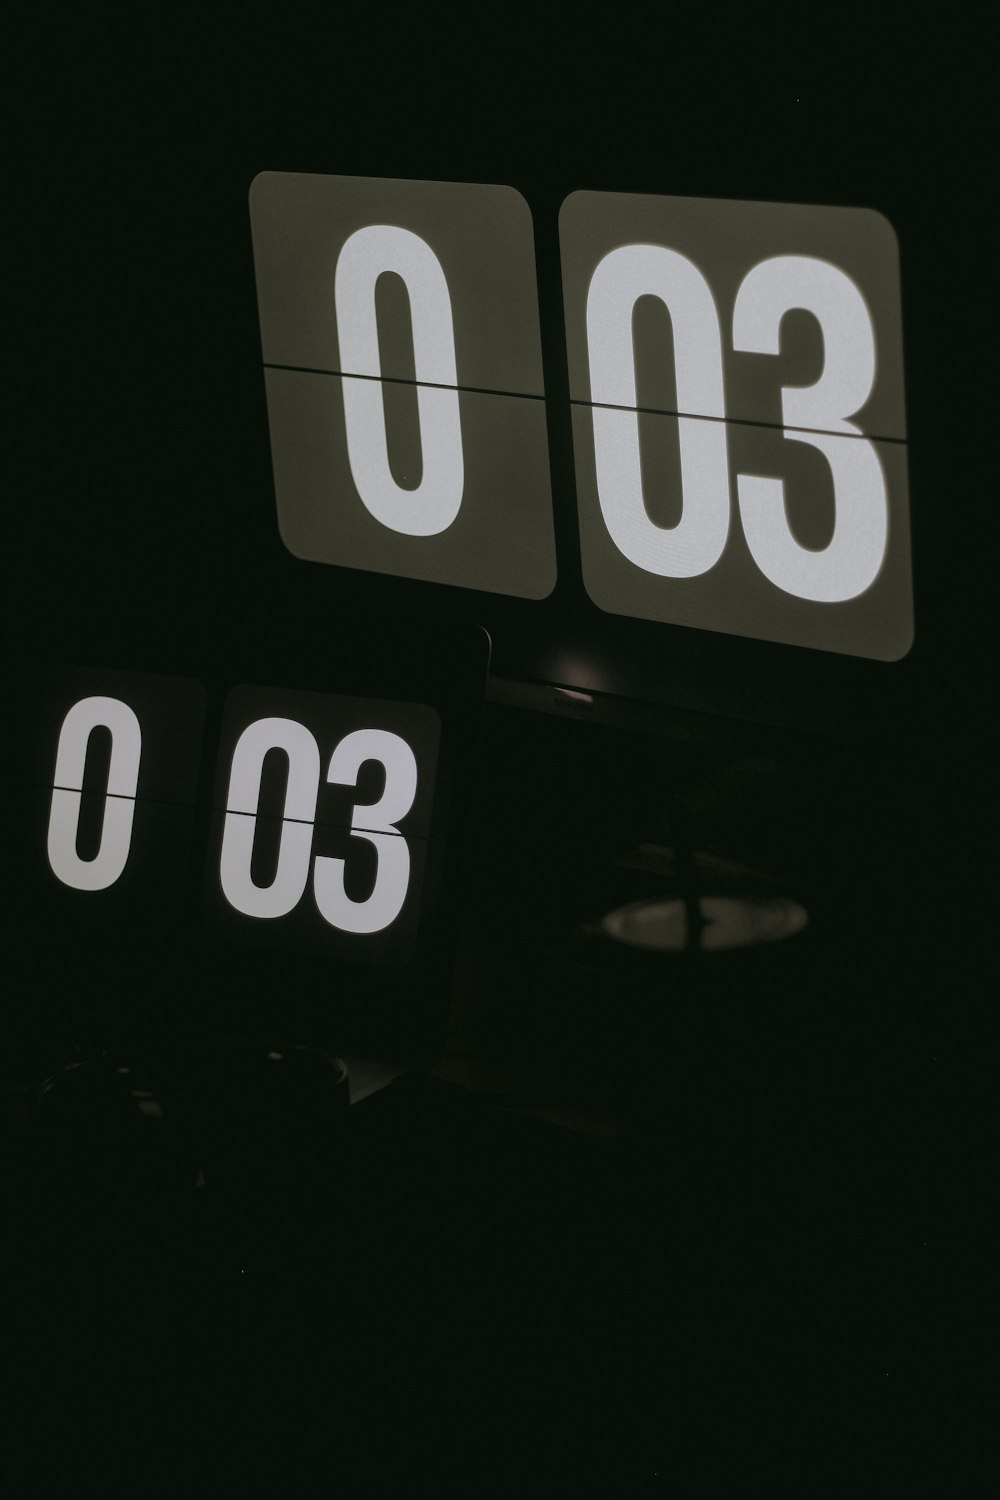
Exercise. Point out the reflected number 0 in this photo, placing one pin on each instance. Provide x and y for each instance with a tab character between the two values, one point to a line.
106	866
850	562
376	823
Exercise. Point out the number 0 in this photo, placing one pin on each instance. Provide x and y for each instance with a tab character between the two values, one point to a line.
432	506
296	834
695	544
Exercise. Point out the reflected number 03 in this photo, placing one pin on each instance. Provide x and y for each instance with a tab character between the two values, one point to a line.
376	823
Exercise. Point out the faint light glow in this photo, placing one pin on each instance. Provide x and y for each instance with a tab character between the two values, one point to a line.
730	922
578	670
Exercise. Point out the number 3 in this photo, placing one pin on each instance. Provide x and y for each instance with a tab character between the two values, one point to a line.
851	561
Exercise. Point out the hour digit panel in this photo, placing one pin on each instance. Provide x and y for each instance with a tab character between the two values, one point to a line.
400	335
739	429
114	759
324	808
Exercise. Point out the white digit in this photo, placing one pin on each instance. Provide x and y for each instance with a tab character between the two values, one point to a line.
695	544
119	809
295	846
433	505
377	824
851	562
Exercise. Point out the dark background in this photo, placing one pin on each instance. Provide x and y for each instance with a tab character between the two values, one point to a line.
770	1261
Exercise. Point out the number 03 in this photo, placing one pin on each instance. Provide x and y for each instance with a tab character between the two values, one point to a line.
818	414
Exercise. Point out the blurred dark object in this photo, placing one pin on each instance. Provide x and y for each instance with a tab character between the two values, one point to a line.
271	1121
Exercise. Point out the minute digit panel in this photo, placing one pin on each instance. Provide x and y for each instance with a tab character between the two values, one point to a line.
739	425
323	809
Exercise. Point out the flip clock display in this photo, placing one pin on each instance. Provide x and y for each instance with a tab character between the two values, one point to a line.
736	401
317	830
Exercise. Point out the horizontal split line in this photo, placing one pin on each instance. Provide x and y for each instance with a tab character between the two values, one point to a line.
694	416
268	817
119	796
431	385
651	411
322	823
